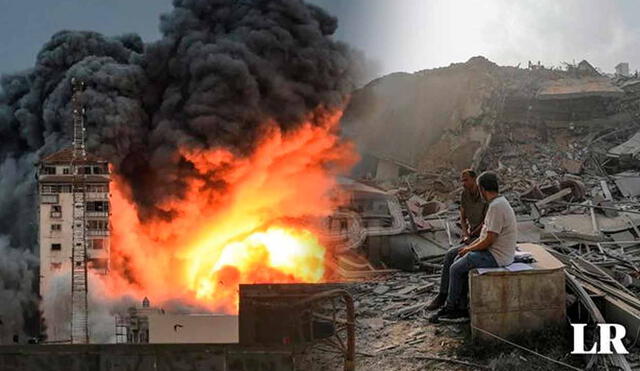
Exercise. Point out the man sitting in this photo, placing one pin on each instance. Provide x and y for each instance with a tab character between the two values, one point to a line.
494	248
472	207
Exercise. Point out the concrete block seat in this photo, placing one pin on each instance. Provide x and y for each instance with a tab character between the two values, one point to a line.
507	303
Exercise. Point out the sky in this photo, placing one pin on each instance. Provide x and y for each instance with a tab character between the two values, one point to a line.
395	35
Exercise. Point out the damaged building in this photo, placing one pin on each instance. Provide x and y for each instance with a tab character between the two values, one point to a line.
224	145
62	197
564	143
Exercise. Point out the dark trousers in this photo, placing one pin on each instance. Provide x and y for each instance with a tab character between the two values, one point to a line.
454	281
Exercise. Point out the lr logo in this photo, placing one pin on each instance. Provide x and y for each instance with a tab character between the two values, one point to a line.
607	339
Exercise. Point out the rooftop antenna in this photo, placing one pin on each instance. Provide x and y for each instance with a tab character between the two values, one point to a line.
79	151
79	305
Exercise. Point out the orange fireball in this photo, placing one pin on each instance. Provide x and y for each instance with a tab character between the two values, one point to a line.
239	231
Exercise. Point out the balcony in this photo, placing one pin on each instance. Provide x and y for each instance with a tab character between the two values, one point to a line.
97	196
98	232
96	214
49	198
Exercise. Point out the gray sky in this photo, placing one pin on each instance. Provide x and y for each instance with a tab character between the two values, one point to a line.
399	35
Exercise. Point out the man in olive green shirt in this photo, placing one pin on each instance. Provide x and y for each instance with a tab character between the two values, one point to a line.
472	212
472	207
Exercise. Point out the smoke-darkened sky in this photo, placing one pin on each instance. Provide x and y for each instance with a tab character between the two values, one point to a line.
398	35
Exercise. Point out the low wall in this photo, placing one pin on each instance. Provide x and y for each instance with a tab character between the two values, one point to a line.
143	357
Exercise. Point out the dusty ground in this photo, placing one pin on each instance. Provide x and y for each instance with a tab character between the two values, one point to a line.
386	342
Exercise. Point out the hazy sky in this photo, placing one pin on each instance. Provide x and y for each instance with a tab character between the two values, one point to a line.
399	35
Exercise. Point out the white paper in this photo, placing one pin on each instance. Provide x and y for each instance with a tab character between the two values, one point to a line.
518	267
514	267
487	270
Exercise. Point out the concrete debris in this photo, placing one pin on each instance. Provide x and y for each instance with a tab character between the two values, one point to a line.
628	184
410	311
381	289
629	148
565	146
579	88
374	324
572	166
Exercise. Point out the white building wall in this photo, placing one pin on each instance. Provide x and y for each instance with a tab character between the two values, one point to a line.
187	328
55	265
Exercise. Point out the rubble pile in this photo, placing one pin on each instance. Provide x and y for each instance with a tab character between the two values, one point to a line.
569	165
392	331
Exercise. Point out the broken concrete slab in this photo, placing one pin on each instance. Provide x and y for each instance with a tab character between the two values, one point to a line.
629	186
580	226
579	88
528	231
381	289
605	190
623	239
554	197
630	148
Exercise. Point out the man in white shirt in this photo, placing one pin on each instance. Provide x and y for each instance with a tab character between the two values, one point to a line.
494	248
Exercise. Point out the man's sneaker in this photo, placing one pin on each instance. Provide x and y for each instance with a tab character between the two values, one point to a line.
455	316
436	317
437	302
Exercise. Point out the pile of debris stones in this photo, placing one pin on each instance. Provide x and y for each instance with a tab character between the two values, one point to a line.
577	194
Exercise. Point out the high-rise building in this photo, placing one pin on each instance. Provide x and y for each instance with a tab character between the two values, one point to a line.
71	205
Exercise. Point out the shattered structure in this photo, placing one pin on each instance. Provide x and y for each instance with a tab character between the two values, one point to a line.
565	145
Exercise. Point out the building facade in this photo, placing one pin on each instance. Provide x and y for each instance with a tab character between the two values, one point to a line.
56	186
153	325
622	69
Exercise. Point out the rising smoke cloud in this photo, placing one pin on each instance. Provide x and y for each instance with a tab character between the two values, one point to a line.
222	69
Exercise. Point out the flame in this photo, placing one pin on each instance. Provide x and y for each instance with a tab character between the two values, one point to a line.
238	221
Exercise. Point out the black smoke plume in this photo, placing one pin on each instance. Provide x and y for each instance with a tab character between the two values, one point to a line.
220	71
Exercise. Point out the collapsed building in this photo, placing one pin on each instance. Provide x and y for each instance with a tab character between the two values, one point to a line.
564	143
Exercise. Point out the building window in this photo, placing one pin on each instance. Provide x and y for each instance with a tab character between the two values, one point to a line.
49	170
56	266
99	266
98	225
98	263
56	247
66	171
56	227
97	244
49	199
98	206
84	170
56	188
56	211
97	188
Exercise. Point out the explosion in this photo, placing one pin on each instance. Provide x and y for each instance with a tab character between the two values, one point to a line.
222	136
243	228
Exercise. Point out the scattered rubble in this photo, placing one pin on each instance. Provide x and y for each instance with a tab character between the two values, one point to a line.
566	149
